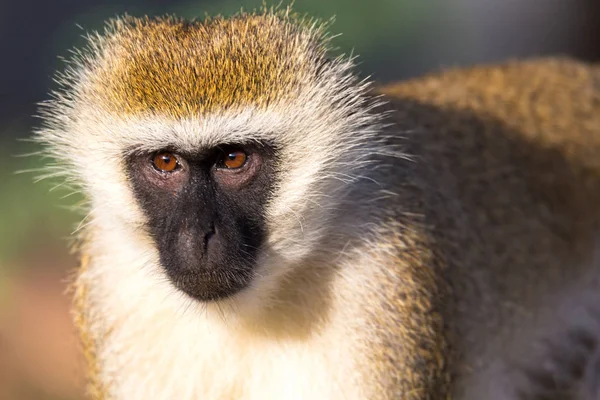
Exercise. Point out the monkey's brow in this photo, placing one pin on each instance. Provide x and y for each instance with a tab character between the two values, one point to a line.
143	149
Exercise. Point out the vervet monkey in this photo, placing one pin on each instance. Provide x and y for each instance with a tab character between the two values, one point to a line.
262	224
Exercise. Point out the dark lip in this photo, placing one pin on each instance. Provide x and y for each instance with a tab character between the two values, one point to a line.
205	288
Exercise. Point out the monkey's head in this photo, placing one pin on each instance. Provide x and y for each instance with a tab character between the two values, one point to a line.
226	144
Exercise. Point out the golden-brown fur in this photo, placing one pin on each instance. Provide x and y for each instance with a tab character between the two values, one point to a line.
182	68
81	318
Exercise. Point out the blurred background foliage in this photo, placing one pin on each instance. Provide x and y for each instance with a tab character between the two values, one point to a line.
396	39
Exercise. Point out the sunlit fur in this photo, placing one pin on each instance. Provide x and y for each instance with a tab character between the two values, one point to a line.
398	243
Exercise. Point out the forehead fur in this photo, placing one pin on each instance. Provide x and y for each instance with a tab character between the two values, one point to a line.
182	68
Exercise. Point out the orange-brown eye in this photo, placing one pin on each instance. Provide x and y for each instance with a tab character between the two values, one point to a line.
234	159
165	161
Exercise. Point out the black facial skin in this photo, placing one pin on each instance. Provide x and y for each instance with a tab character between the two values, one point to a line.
207	221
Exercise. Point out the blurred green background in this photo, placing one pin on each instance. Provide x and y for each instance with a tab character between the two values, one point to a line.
396	39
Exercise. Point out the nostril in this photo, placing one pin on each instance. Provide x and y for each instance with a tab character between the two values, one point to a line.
209	234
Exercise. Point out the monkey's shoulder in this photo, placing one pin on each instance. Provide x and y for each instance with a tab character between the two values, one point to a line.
531	128
554	100
513	85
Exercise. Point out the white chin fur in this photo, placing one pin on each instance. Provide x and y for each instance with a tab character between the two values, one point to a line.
157	343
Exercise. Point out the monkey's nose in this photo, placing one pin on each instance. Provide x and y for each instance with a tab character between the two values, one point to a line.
194	243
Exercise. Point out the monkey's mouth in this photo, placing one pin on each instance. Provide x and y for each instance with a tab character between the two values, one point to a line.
207	287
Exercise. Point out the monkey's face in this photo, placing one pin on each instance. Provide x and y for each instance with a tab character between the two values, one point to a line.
231	201
206	212
219	153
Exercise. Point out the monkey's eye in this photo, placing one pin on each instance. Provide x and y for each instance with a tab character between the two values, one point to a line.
232	159
165	161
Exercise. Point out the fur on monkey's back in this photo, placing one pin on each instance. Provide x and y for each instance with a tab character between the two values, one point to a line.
507	178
